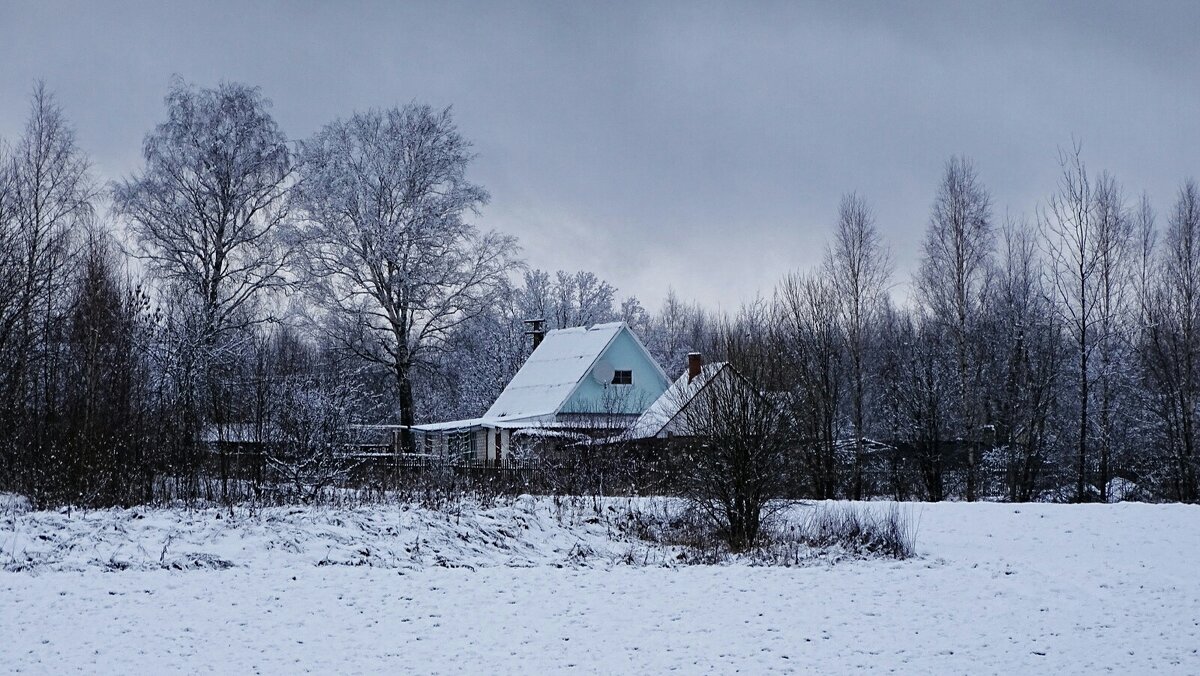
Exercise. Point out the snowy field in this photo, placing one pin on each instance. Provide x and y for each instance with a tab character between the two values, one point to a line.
544	589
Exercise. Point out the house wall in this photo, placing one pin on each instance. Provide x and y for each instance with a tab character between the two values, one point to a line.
648	382
452	445
482	438
489	444
448	444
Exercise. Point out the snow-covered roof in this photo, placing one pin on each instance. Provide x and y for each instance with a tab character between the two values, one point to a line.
526	426
449	425
552	372
655	419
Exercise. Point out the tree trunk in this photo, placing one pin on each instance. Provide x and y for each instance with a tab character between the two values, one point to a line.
858	422
1081	460
407	419
1105	433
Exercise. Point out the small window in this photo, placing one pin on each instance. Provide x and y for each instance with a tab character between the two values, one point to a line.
622	378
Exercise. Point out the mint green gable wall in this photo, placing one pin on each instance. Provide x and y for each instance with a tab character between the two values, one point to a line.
624	354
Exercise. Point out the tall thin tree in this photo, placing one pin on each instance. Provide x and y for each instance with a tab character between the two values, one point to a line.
1172	353
1114	271
859	266
1068	232
950	286
46	194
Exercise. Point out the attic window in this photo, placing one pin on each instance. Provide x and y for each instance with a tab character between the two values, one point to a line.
622	378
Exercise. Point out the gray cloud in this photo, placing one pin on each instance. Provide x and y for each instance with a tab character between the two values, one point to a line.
695	145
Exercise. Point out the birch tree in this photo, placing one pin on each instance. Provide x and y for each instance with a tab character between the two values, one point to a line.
46	195
51	197
1068	230
389	254
1145	250
1172	351
206	210
205	215
950	285
1114	282
859	267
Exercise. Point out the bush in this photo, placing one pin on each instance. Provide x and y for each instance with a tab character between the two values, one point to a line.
860	530
826	532
13	504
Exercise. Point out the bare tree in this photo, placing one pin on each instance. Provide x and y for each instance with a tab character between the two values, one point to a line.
205	215
737	462
389	255
1028	342
1145	245
1171	350
582	299
676	329
206	209
485	353
921	386
46	194
106	456
1146	275
1068	231
632	313
859	267
534	299
810	339
314	430
950	285
1114	294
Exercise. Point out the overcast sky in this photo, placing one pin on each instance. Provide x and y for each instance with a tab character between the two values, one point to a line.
700	146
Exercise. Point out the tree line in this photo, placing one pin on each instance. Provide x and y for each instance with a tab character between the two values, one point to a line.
239	280
1043	359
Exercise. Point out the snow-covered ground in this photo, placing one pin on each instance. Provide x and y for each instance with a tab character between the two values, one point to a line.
521	532
997	589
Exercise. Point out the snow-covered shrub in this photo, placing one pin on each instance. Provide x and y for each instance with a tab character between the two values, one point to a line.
313	425
669	522
12	504
858	530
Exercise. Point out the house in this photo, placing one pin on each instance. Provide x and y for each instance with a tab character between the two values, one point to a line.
667	416
577	383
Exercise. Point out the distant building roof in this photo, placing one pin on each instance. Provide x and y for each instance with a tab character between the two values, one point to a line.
655	420
549	378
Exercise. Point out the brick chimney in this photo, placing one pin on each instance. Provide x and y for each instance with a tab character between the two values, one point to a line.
537	329
695	362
